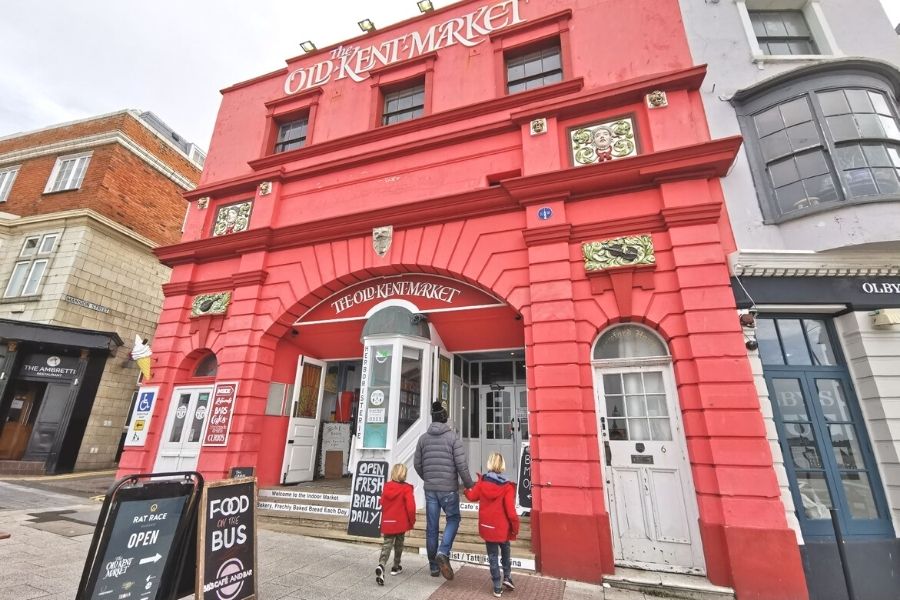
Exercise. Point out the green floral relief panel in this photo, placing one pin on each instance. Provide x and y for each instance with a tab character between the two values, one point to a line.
602	142
210	304
618	252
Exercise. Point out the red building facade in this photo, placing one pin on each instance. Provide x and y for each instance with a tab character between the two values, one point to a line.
522	177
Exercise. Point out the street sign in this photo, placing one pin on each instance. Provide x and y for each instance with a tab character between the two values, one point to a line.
141	543
523	484
226	546
365	500
140	417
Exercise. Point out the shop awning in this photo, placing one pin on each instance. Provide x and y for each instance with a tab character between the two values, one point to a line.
62	336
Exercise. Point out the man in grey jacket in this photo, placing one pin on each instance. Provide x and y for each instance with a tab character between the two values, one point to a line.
441	461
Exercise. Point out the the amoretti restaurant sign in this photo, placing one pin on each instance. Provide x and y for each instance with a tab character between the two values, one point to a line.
355	62
427	292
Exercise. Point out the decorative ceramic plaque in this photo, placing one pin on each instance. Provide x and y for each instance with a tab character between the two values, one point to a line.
618	252
210	304
233	218
603	142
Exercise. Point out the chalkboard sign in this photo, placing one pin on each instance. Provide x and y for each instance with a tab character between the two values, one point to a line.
238	472
226	546
523	487
140	546
365	500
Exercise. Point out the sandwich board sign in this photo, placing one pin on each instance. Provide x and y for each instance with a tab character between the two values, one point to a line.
226	544
523	482
365	499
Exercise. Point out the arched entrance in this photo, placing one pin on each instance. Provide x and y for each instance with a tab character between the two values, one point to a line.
371	358
649	489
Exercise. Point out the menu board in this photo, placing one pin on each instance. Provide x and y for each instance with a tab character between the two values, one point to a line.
226	546
365	499
222	409
523	485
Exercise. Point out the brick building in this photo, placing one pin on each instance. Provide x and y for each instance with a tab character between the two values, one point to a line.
83	206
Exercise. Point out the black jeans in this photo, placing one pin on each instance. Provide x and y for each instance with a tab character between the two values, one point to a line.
498	551
395	542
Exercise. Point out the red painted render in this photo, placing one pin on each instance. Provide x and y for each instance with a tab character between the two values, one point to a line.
461	186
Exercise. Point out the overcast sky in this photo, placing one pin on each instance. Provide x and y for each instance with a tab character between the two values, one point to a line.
65	59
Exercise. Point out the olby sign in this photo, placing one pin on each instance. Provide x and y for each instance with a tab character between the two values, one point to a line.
427	292
355	62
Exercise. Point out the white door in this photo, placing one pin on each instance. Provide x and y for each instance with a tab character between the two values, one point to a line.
185	423
501	432
303	429
652	505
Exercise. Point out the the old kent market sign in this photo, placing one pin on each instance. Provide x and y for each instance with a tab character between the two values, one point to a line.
355	62
428	293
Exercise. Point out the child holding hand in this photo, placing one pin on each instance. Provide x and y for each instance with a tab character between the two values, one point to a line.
398	515
498	522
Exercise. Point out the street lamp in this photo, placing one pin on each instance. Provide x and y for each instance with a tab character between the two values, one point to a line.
308	46
425	6
367	25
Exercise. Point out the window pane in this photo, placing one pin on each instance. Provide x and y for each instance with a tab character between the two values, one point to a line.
180	416
886	180
660	430
796	111
635	406
801	47
876	156
811	164
820	342
842	127
849	157
612	384
34	277
410	389
759	26
820	190
496	372
774	25
789	397
515	71
859	495
879	103
615	406
308	401
859	101
617	429
803	136
633	383
551	61
196	427
860	182
638	429
814	494
30	246
47	244
779	48
791	198
794	342
834	103
768	122
17	279
769	347
869	126
775	145
656	405
846	447
784	173
832	400
653	383
891	130
801	442
794	23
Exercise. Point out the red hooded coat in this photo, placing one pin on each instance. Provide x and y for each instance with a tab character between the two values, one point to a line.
497	518
398	508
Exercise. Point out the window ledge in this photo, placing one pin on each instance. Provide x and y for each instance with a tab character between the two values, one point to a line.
20	299
60	191
809	212
791	58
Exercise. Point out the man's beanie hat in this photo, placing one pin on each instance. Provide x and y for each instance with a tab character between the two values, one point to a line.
437	407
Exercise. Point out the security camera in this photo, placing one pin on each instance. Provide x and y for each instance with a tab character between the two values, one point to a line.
751	344
418	318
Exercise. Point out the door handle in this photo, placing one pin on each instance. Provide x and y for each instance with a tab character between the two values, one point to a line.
290	441
608	452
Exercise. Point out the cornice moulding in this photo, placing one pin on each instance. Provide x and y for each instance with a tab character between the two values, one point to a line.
763	263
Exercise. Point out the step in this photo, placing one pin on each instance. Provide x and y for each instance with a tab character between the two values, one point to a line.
668	585
470	552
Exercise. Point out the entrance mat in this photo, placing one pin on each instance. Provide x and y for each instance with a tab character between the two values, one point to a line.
475	584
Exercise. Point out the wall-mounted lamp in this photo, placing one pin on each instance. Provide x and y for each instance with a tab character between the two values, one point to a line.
496	387
308	46
367	25
294	332
425	6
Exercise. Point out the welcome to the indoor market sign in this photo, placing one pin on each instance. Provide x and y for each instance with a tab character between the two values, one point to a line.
355	61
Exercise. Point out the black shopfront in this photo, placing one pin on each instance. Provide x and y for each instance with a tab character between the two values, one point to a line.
826	444
49	376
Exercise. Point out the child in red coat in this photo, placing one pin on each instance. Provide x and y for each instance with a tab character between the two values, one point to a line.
398	515
498	522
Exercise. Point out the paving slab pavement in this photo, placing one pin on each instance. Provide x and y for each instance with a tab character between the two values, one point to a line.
45	563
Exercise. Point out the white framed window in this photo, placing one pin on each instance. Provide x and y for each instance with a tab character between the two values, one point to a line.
7	177
27	274
786	30
68	172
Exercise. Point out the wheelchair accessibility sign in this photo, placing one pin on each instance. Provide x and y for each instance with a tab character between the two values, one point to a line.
139	423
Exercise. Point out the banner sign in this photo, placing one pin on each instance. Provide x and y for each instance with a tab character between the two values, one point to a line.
49	367
141	415
428	292
226	546
355	62
219	422
365	501
523	484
